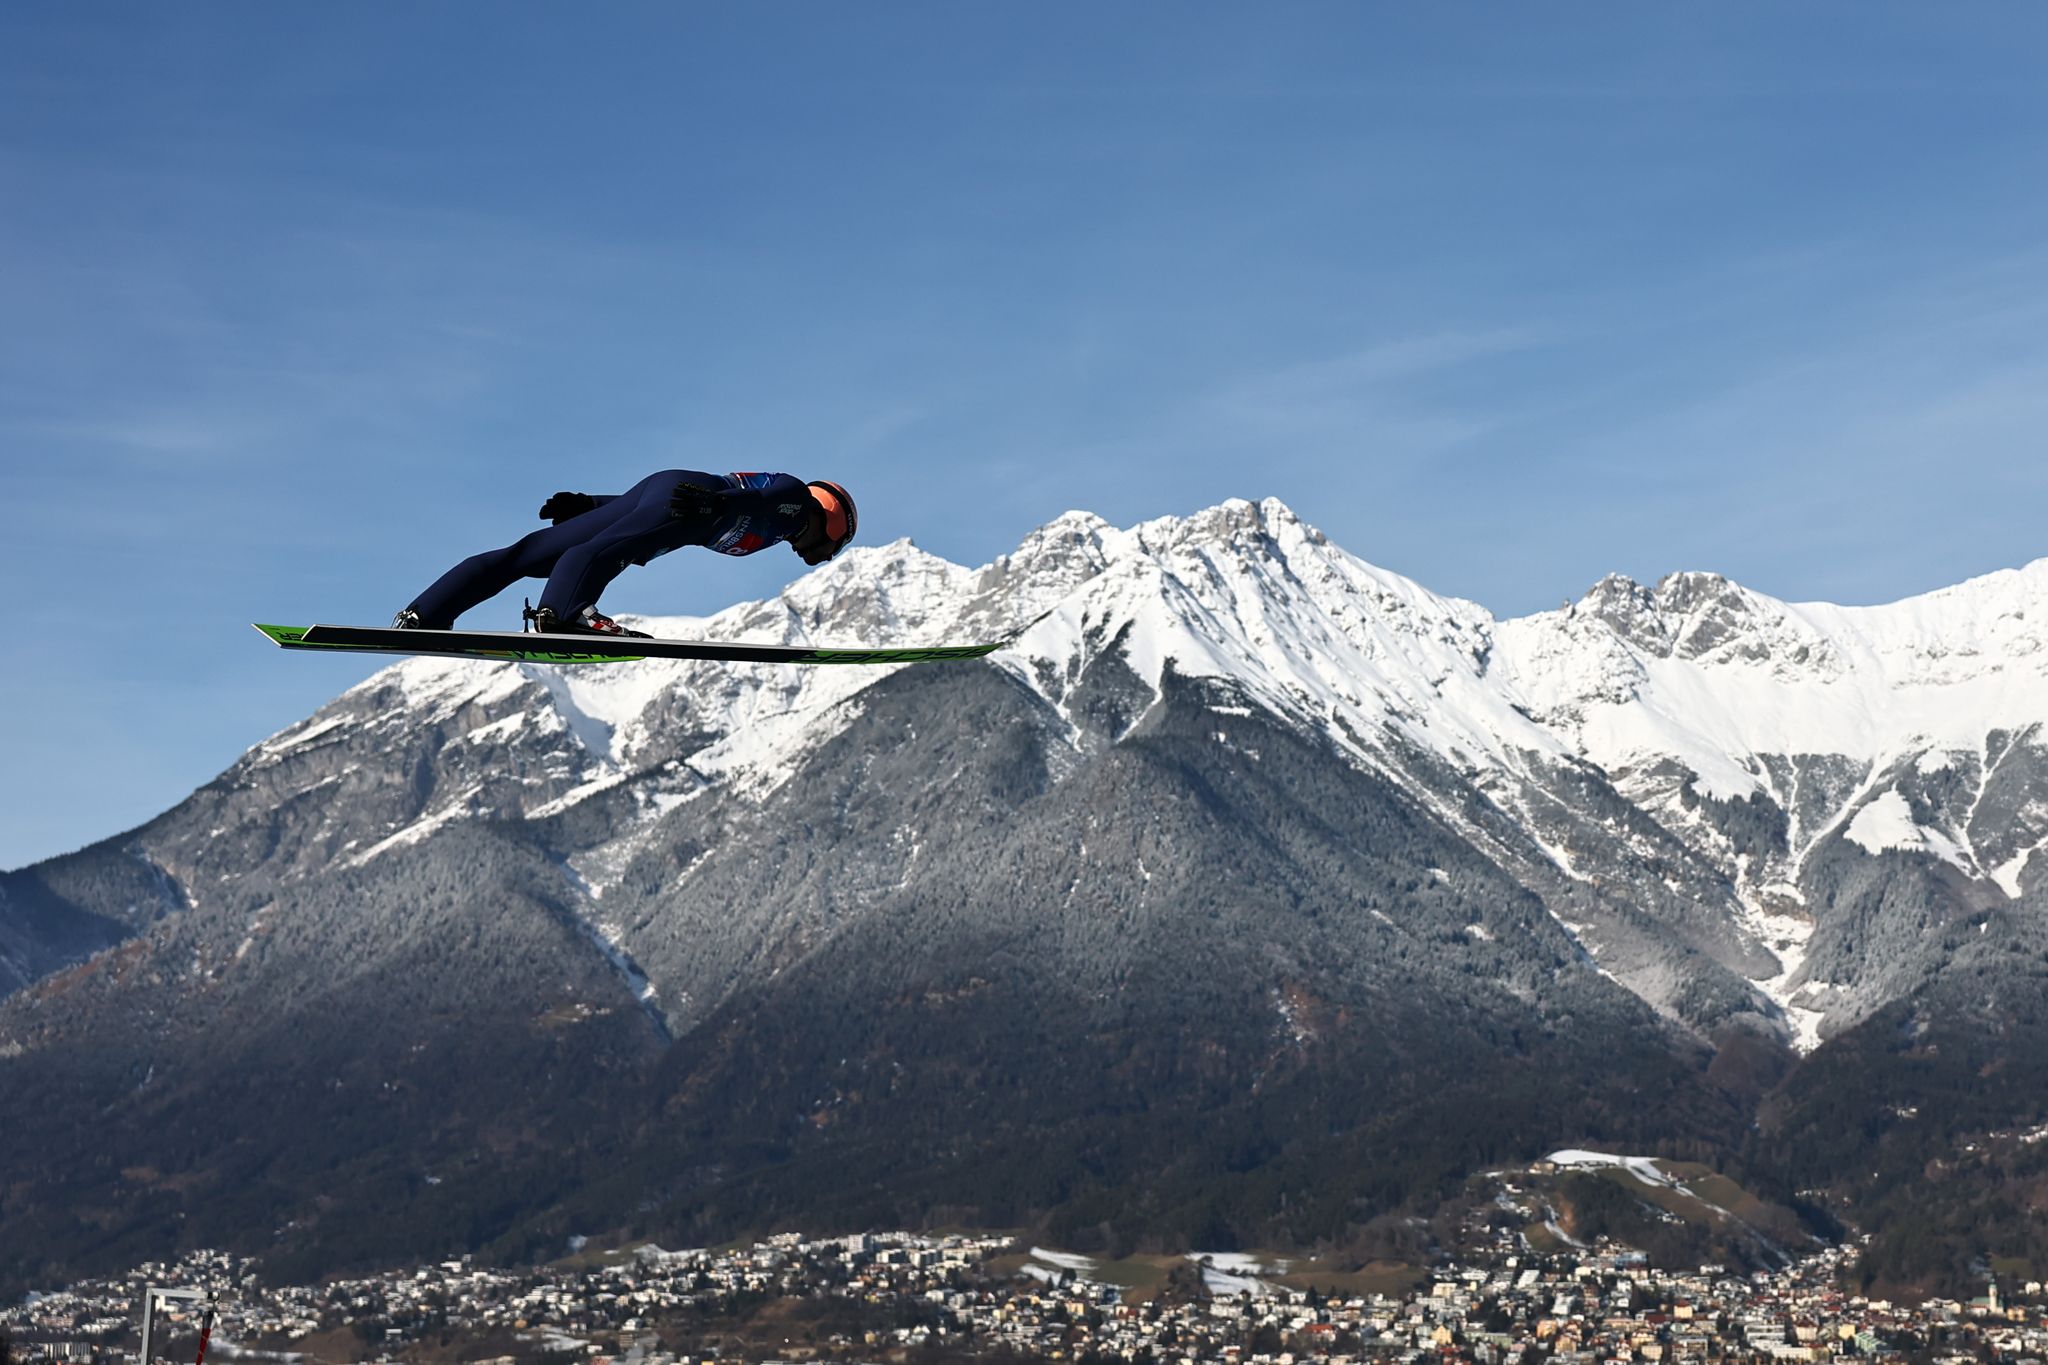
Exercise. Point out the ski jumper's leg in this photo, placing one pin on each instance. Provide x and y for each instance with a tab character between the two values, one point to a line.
643	528
483	576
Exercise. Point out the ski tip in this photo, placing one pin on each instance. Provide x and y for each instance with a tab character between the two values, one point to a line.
284	636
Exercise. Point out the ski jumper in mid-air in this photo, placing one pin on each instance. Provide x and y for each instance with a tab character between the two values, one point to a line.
594	538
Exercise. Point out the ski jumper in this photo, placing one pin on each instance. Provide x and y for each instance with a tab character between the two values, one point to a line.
734	514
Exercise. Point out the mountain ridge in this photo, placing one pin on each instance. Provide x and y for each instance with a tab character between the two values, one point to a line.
1257	814
1375	651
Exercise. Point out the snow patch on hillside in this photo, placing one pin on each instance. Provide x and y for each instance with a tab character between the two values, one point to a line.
1641	1167
2007	874
1887	823
1226	1274
426	825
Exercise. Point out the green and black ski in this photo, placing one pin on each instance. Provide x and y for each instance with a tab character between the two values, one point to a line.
525	647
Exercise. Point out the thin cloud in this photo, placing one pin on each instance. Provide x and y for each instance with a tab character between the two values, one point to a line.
1375	366
1367	399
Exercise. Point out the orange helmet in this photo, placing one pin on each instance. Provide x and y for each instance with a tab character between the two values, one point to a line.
841	520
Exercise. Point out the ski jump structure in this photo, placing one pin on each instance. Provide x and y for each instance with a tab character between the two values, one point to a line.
151	1294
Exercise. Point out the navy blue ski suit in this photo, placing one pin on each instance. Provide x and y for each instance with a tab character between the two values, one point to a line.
739	514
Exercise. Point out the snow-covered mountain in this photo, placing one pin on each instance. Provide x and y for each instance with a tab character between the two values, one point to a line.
1229	785
1749	739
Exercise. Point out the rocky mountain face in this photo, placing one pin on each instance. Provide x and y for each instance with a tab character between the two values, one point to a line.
1253	893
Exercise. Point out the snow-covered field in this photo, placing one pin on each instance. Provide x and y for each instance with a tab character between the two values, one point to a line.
1641	1167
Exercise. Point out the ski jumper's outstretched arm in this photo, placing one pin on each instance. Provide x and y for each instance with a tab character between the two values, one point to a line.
562	506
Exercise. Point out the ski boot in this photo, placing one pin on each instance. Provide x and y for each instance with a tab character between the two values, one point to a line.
589	621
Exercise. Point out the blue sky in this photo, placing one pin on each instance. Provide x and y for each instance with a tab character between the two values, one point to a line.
299	304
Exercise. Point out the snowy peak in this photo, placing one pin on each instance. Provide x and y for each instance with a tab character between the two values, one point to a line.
1073	546
1746	674
1236	525
1248	592
1706	618
1708	614
882	592
1630	610
1698	669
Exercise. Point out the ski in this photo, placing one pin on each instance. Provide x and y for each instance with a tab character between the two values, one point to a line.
526	647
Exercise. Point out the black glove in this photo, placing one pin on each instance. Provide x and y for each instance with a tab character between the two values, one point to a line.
563	506
696	500
810	543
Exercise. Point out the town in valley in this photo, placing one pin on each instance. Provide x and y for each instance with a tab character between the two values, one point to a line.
911	1297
